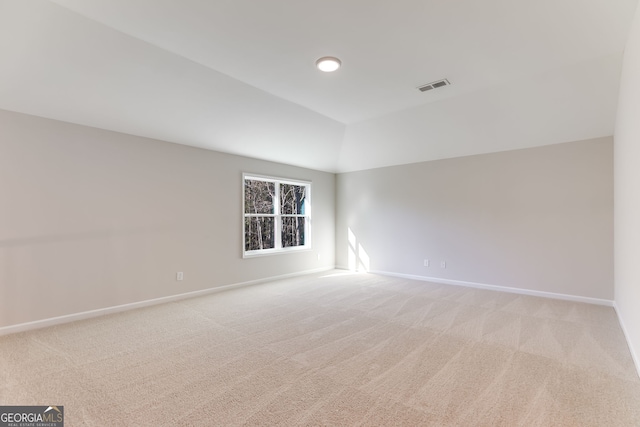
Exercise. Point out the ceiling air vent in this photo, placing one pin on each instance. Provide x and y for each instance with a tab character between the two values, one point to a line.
433	85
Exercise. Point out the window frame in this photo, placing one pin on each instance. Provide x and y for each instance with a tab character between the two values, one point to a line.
277	215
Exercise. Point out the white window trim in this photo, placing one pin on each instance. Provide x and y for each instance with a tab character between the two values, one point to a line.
307	231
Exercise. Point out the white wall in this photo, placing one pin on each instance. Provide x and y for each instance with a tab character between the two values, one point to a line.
627	193
93	219
537	219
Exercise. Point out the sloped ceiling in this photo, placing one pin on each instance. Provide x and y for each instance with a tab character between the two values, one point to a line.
238	76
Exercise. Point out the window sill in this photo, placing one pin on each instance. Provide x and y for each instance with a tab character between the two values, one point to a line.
268	252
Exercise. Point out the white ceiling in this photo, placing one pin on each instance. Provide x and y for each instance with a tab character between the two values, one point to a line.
238	76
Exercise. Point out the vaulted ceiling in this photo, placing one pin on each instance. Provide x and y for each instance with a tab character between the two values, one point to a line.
239	76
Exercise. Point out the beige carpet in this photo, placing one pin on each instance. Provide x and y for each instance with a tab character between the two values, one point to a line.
333	349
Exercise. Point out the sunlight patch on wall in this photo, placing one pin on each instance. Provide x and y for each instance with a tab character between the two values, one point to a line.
358	257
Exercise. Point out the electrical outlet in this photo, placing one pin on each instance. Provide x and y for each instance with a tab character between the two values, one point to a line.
179	275
426	262
443	264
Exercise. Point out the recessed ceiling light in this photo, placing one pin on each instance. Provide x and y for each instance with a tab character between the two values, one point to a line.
328	64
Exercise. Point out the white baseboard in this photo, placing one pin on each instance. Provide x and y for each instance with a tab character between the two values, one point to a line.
542	294
634	355
37	324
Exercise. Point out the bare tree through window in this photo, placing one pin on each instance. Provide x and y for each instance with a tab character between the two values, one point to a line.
259	227
276	214
292	199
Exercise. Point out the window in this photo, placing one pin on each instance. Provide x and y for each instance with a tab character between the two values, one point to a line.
277	215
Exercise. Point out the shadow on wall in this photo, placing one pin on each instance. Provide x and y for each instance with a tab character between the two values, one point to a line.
358	257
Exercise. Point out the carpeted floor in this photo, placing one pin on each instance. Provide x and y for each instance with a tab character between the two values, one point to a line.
333	349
